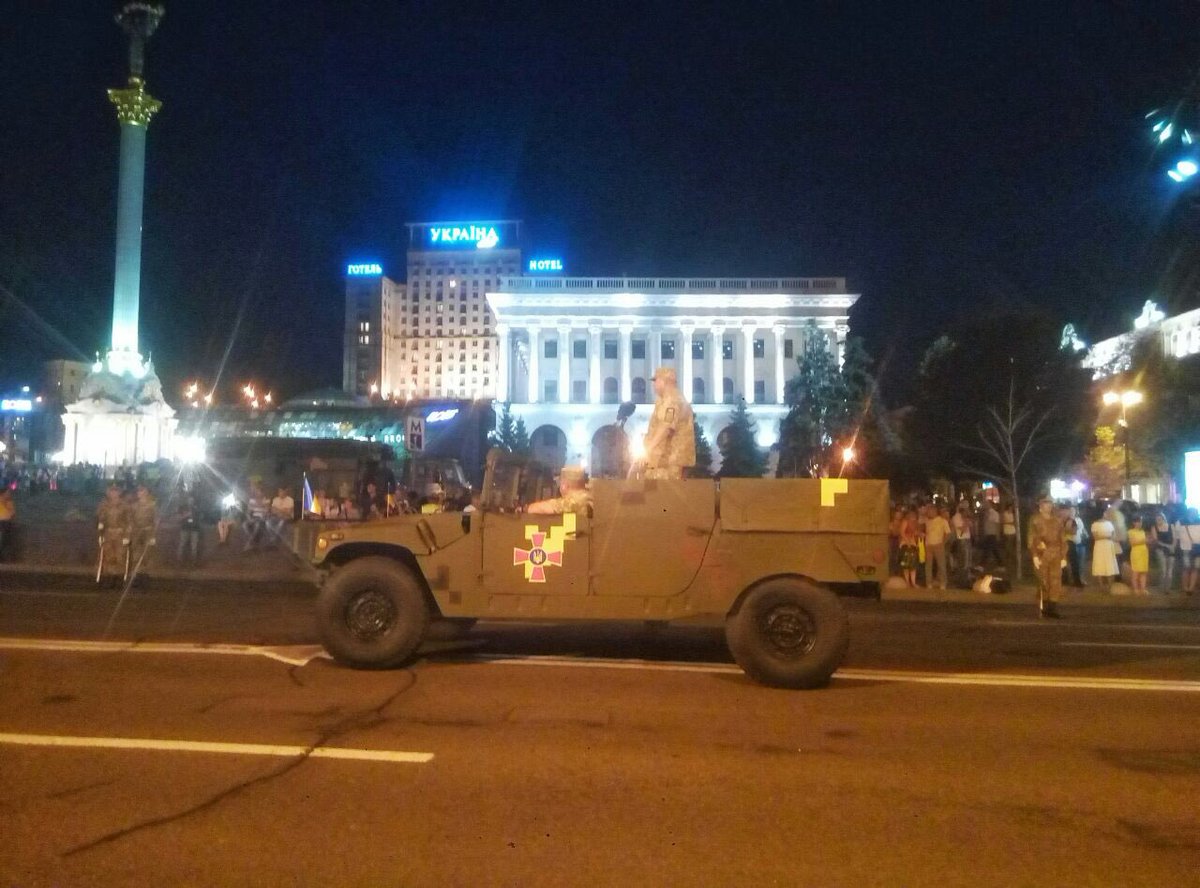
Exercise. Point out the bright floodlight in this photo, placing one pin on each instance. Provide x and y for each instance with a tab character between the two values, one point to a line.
1131	398
229	501
191	449
847	454
1183	170
1111	398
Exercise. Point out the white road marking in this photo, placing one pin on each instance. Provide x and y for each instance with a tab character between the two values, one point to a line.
333	752
301	655
946	678
295	655
1122	644
1055	624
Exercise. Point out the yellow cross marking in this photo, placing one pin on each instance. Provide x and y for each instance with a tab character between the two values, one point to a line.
830	488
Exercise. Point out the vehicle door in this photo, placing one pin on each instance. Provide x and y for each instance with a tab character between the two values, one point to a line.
649	537
536	554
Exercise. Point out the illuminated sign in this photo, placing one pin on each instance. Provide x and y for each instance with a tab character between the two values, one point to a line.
364	268
484	237
16	405
441	415
545	265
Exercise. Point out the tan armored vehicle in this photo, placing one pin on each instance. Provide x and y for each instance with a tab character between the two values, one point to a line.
762	555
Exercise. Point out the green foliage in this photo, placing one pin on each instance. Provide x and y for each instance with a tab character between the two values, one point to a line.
829	407
510	434
741	457
704	456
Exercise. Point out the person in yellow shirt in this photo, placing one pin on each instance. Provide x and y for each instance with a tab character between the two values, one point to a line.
8	514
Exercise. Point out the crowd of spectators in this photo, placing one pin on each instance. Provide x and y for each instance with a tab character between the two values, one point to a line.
938	544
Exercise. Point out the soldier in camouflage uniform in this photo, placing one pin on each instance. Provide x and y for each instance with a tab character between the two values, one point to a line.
671	439
143	520
112	520
1047	545
574	495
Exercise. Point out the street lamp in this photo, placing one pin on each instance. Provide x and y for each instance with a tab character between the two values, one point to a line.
1126	399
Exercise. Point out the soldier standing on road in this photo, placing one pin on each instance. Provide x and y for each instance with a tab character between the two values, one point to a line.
572	485
1047	545
112	521
671	438
143	520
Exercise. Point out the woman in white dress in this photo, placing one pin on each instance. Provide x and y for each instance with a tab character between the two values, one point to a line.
1104	551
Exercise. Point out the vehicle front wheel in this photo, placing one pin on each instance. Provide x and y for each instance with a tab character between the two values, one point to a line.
372	614
788	633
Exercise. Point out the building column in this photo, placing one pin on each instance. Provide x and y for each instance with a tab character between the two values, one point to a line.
655	345
504	344
716	363
748	363
535	354
595	387
780	381
626	354
685	361
564	364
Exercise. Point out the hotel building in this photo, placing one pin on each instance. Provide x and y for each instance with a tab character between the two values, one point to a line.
474	321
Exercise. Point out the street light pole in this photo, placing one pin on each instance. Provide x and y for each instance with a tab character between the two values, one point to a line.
1126	399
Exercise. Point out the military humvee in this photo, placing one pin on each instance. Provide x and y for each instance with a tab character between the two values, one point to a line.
759	554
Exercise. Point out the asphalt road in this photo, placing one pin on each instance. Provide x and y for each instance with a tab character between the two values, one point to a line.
959	745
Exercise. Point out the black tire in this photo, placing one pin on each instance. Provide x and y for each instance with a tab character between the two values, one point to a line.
372	614
788	633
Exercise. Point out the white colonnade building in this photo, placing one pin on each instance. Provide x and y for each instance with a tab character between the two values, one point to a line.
570	349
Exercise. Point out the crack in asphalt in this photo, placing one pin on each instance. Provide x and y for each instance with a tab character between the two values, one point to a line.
355	721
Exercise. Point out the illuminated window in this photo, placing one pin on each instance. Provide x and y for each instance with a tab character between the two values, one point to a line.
667	352
727	350
760	348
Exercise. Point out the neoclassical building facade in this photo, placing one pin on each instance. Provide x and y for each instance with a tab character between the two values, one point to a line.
570	349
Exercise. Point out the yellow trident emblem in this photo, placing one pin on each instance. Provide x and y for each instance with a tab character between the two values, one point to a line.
545	548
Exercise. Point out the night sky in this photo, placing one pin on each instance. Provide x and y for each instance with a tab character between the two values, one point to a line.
947	158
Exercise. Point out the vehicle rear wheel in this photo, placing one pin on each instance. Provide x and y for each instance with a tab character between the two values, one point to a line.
372	614
788	633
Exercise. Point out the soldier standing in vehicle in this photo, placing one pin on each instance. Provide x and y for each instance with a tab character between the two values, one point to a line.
1047	545
671	439
574	495
112	522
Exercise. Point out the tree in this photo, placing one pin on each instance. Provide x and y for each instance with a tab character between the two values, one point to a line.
704	455
1006	437
984	375
510	433
741	457
829	406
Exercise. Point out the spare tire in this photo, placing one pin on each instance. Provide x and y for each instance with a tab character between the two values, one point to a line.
372	614
788	633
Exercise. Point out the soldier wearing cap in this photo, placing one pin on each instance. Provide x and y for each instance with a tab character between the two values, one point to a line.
572	485
1048	547
671	439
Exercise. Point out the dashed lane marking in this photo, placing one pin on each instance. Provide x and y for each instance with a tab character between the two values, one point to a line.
141	743
293	655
